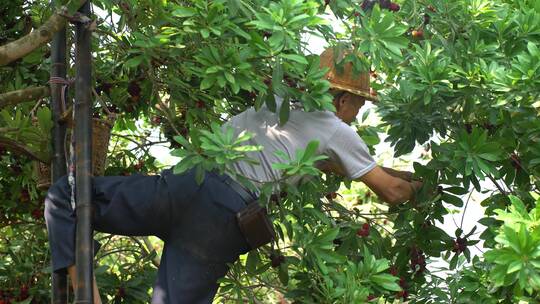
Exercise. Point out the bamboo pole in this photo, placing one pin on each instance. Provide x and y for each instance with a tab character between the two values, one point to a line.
83	160
58	69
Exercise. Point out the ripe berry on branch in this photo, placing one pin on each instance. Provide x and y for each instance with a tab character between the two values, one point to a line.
460	244
364	231
427	19
37	214
331	195
134	89
200	104
276	260
394	7
402	294
138	166
418	260
418	34
156	120
385	3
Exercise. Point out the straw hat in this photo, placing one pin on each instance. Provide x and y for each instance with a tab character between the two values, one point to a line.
349	81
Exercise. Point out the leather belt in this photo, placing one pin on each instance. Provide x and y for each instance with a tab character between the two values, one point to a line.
246	195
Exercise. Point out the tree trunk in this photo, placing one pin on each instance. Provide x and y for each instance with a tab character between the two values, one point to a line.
18	148
28	94
24	45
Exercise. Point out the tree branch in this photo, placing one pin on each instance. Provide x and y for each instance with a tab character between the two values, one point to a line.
27	94
38	37
19	148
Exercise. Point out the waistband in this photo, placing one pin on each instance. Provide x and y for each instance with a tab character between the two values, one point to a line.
244	193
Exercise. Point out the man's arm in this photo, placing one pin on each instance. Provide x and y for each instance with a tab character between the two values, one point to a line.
392	186
391	189
405	175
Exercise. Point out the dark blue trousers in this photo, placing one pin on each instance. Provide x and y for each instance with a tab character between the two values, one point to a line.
196	222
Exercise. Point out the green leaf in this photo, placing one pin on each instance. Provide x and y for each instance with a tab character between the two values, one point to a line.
294	57
284	112
183	12
277	77
514	266
252	262
271	102
386	281
327	236
134	62
453	200
310	150
283	274
182	140
199	174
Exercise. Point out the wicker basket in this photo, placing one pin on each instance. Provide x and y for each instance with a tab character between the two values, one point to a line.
101	134
44	175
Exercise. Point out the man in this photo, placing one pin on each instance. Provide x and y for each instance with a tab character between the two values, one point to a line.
198	222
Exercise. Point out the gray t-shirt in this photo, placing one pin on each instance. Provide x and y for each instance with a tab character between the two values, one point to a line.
337	140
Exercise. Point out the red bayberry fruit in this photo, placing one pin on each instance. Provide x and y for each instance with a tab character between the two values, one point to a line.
367	5
15	169
418	260
121	292
134	89
393	271
129	108
331	195
362	233
365	226
385	3
37	214
267	81
356	14
276	260
394	7
156	120
138	166
24	196
371	298
427	19
200	104
402	294
418	34
402	283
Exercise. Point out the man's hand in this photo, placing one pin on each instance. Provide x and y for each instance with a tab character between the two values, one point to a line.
391	189
404	175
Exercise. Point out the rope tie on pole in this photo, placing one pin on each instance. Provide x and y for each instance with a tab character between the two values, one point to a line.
65	84
88	23
71	159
